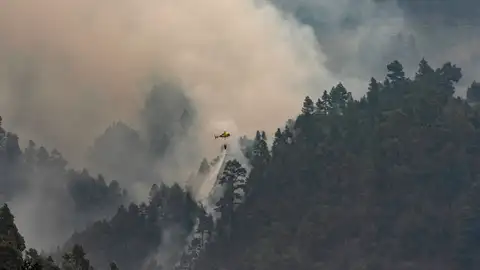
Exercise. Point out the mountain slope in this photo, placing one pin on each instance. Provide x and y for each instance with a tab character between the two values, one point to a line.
386	182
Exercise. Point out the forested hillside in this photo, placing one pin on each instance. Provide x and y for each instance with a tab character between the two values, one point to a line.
36	168
390	181
56	200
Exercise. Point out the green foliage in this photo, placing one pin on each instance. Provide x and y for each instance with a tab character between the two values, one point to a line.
35	261
233	179
339	98
92	196
8	230
395	72
136	231
75	260
384	182
12	246
389	181
308	106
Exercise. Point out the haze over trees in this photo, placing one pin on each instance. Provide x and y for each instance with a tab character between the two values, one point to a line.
389	181
385	182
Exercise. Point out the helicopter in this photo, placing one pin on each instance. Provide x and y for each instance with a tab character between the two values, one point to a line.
224	135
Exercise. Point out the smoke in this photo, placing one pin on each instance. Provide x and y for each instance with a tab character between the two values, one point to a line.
359	37
43	221
68	69
167	254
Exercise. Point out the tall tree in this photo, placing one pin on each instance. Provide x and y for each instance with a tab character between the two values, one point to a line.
339	97
373	93
233	179
113	266
473	92
12	243
395	72
449	74
424	70
75	260
3	136
308	106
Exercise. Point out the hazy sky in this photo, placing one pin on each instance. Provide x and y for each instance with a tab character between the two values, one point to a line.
68	69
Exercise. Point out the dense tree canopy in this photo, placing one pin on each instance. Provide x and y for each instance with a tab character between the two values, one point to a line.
389	181
385	182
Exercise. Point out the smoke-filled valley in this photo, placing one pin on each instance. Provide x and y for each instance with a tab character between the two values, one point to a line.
108	158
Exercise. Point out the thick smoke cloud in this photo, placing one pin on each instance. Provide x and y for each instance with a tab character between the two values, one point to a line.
452	12
359	37
70	68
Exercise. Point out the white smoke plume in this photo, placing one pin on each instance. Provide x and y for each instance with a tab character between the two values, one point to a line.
69	68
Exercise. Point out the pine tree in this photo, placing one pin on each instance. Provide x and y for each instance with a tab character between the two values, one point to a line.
308	106
260	152
233	180
205	226
327	102
395	72
75	260
448	75
473	92
373	93
8	229
113	266
2	131
12	243
30	153
35	261
424	70
264	136
339	97
320	107
234	174
278	141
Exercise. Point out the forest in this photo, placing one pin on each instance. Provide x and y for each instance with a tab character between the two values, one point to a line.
388	181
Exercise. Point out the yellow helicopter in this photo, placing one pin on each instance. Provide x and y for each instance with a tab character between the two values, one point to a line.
224	135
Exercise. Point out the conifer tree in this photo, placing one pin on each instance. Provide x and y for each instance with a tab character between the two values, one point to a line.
113	266
233	180
395	72
8	229
373	93
327	102
12	243
308	106
75	259
424	70
473	92
339	97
